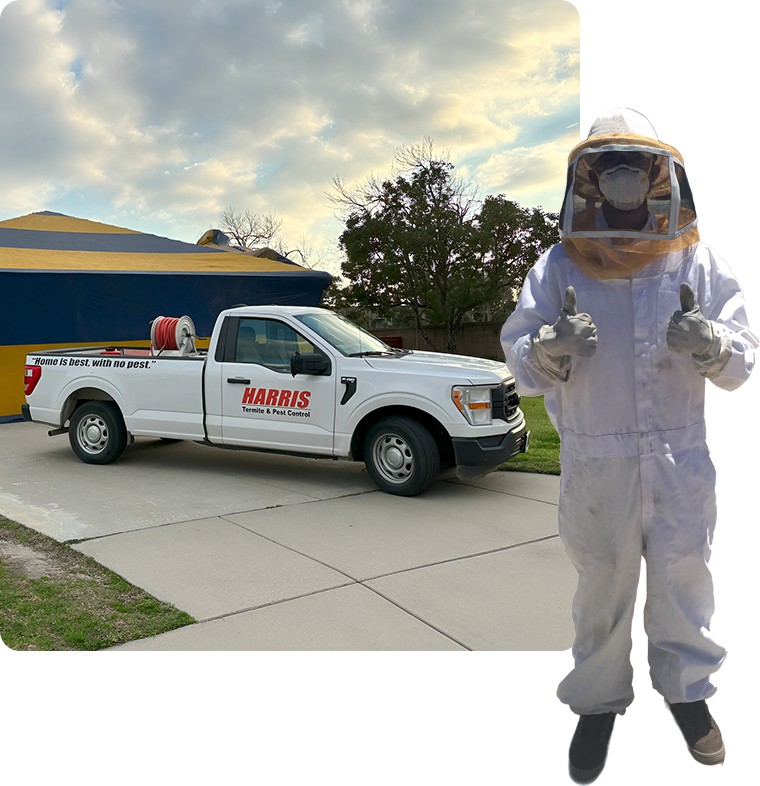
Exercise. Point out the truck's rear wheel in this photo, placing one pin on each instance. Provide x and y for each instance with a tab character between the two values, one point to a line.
401	456
97	432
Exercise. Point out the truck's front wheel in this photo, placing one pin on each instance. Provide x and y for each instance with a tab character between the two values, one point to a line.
401	456
97	432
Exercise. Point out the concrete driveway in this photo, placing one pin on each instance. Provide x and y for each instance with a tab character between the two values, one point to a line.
278	553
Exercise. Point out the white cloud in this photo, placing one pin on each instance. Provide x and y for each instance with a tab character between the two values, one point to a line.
529	174
166	112
308	32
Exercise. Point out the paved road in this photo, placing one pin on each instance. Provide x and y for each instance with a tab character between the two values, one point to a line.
279	553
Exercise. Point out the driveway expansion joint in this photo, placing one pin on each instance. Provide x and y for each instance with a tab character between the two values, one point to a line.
505	493
401	570
418	618
236	612
427	624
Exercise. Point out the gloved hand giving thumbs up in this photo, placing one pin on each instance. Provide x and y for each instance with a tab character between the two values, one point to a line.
571	334
688	330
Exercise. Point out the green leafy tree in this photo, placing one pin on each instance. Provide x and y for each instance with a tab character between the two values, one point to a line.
332	297
510	239
422	243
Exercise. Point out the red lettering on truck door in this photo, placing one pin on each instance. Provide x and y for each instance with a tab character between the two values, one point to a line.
272	398
284	399
303	401
248	395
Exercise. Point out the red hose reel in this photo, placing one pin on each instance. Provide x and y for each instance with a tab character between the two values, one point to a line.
173	333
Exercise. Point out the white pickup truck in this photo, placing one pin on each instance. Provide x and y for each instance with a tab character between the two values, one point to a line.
292	380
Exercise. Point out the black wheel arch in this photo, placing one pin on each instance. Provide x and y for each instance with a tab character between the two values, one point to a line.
82	396
438	432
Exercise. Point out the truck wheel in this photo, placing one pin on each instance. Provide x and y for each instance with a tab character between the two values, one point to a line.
401	456
97	432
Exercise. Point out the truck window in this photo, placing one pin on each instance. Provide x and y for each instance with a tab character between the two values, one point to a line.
269	343
343	334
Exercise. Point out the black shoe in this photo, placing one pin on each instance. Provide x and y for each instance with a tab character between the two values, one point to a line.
588	750
700	731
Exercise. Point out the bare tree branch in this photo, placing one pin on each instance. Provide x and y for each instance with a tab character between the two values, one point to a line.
309	257
249	230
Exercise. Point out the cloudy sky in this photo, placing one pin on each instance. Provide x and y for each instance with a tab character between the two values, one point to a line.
157	115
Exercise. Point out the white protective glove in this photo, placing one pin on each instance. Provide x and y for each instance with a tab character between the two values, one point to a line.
690	331
572	335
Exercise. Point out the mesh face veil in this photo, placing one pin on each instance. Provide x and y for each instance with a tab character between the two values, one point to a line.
620	161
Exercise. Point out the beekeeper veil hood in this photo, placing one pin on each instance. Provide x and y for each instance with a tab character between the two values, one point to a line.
627	201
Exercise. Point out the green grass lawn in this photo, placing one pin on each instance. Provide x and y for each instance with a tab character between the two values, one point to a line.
543	450
52	597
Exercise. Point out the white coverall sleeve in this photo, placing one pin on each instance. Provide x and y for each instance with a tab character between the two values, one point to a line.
535	373
732	365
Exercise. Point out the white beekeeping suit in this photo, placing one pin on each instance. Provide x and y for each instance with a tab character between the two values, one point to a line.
624	385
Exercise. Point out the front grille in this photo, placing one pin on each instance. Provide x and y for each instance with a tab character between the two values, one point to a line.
505	401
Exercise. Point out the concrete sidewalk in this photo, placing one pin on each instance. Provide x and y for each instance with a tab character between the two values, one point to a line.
277	553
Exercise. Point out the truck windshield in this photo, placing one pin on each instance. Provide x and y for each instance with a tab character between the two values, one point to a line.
344	335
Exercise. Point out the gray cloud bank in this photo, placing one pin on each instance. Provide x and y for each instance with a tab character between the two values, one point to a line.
157	115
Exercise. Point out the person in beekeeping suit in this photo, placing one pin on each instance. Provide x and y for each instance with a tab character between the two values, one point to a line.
618	326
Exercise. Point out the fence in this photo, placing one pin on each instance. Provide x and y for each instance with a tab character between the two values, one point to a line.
477	339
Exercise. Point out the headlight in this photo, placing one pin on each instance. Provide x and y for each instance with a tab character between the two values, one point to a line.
474	404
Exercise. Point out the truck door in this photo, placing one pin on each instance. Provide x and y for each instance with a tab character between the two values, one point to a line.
263	405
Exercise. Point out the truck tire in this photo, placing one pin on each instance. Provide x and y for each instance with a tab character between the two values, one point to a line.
97	432
401	456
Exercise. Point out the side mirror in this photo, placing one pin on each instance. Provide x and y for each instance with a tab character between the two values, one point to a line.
312	363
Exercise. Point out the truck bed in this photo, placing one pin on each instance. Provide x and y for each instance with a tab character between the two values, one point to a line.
115	351
158	393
